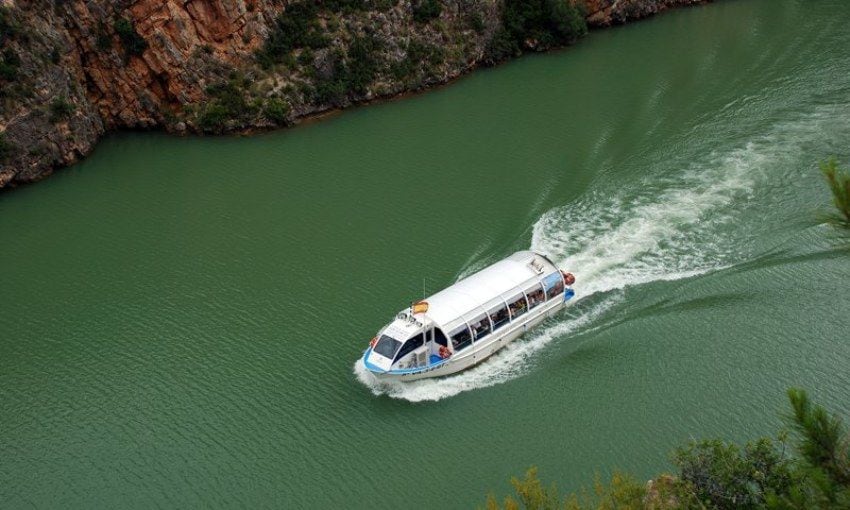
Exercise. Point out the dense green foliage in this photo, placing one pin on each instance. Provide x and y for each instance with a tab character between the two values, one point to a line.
133	43
10	63
426	10
60	109
277	110
347	73
297	27
227	102
6	148
839	183
104	41
536	24
722	475
764	474
8	26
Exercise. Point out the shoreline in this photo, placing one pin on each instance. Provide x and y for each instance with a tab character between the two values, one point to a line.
318	115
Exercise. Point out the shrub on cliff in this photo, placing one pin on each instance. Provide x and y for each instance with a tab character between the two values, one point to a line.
133	43
839	184
277	110
10	63
347	73
536	24
60	109
9	27
226	103
6	148
726	476
297	27
362	63
426	10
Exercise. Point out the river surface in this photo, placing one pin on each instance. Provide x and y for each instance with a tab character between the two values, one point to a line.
182	317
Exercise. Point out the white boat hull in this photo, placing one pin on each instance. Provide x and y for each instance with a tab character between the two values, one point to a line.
479	351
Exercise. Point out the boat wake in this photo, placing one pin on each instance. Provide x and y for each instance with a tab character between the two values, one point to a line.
677	225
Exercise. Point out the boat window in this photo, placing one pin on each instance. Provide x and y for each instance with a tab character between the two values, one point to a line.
480	326
554	284
499	316
535	296
440	337
410	345
518	306
461	338
387	346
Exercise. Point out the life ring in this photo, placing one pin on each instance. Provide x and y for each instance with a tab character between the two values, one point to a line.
569	278
444	352
373	341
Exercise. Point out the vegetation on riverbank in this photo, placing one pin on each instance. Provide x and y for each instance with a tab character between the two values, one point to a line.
334	56
813	472
838	180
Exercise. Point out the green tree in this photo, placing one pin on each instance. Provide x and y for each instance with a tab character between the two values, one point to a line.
536	24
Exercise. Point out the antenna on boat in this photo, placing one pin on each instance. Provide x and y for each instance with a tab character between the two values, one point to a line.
423	288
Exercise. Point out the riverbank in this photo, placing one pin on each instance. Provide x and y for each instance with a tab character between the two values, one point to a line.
73	71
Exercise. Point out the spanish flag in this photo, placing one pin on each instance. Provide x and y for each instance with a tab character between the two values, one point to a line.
420	307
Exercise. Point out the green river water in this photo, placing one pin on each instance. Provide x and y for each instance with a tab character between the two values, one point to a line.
182	317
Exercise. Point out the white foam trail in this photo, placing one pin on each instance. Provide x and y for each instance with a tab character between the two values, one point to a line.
677	225
659	231
646	234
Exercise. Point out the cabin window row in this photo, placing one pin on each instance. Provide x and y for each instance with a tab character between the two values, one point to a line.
500	315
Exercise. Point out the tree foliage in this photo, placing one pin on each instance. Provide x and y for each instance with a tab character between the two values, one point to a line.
426	10
133	43
713	474
536	24
296	27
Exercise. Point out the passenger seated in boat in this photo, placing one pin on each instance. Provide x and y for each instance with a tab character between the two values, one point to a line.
517	308
500	318
535	298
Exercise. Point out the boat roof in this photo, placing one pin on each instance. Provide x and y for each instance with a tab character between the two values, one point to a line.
502	280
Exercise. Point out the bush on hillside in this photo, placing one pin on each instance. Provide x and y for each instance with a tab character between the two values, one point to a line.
6	148
133	43
426	10
10	63
536	24
296	27
60	109
277	110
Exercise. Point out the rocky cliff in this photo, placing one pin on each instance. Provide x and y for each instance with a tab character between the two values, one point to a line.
72	69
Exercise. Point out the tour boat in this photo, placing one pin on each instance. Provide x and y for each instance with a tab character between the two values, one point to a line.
468	322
